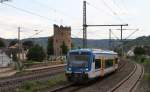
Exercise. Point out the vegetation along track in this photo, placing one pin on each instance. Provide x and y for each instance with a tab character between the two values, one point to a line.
73	87
130	83
10	83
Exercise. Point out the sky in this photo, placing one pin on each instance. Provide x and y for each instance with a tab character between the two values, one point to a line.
36	17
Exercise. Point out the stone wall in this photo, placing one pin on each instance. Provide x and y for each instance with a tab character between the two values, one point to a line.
61	34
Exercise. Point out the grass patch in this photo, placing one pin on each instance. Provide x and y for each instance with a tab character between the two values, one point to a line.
146	64
35	86
145	82
146	61
147	76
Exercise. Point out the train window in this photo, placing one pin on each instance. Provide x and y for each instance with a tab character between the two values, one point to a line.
97	63
109	63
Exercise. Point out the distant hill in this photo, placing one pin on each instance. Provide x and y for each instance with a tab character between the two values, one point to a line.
78	42
144	40
93	43
96	43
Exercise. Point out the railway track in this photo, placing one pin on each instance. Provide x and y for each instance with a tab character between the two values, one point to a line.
130	83
73	87
127	84
10	83
32	72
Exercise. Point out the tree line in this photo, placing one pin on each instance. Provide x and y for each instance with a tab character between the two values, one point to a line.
35	52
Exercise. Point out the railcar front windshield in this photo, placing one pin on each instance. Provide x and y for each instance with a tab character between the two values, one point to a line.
78	60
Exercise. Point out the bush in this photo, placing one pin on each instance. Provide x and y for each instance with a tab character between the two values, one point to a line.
36	53
2	44
64	48
50	49
139	51
27	44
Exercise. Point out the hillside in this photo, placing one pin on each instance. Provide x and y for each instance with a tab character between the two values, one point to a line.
93	43
144	40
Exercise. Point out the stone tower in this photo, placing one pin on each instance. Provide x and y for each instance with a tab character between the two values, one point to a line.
61	34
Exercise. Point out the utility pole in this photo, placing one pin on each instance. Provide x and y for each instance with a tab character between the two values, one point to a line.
122	48
121	32
121	25
19	50
19	47
127	29
84	26
109	39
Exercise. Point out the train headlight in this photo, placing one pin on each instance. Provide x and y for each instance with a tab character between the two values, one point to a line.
86	69
69	69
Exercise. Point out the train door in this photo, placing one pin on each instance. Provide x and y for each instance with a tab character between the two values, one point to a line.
114	63
97	66
102	66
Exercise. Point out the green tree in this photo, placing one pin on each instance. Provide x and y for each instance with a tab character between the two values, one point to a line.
118	50
50	49
64	48
36	53
72	46
27	44
139	51
2	44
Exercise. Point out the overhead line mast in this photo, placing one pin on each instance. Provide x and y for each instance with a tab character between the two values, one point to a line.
85	26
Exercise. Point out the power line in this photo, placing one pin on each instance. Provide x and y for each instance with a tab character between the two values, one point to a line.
113	12
132	34
35	34
109	7
114	35
98	9
118	6
55	10
123	4
75	36
128	29
114	2
29	12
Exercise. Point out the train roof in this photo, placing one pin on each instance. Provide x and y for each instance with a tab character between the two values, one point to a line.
95	51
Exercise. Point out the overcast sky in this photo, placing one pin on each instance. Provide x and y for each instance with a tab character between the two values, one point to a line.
40	15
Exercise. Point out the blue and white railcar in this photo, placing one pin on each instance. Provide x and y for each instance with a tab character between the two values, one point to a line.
85	64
